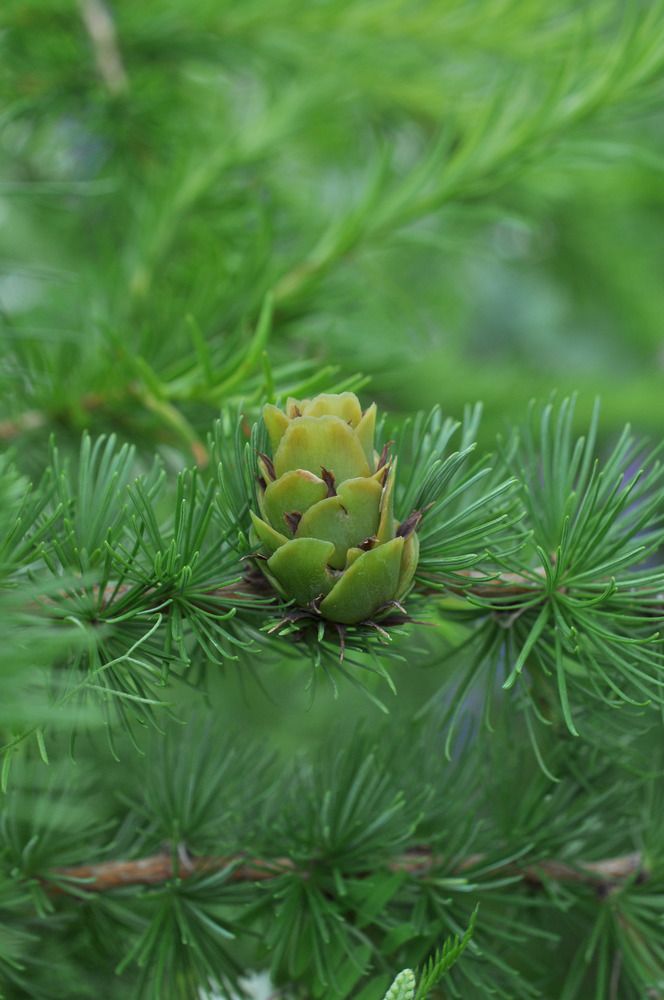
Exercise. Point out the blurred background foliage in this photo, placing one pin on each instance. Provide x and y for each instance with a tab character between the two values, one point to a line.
460	198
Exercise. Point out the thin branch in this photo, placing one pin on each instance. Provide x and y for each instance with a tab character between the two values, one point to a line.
164	866
101	29
505	585
520	585
108	875
30	420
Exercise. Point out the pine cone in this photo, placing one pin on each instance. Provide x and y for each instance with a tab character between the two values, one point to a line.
326	500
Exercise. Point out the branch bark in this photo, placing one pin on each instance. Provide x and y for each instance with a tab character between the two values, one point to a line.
158	868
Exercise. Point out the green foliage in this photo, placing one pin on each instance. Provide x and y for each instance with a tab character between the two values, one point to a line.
209	206
467	517
442	960
262	172
152	585
348	888
405	986
137	589
576	620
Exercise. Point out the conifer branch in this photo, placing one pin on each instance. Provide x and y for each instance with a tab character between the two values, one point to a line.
157	868
502	585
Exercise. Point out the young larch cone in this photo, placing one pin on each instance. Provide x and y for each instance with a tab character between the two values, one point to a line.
327	524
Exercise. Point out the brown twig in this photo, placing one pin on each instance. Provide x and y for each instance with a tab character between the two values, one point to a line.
31	420
161	867
107	875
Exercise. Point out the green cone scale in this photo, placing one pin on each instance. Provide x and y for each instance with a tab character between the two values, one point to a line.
326	530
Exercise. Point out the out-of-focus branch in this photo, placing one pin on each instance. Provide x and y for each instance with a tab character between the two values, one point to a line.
168	414
101	29
30	420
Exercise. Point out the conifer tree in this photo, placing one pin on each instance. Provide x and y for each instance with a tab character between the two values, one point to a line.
315	684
